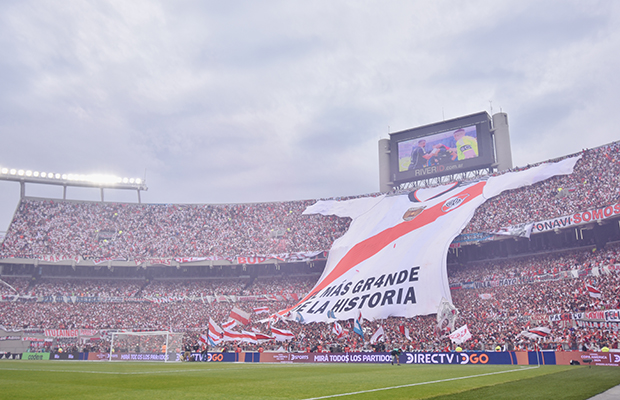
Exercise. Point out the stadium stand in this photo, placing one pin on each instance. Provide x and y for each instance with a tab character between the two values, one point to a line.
501	287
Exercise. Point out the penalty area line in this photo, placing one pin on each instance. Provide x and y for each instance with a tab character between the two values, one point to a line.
417	384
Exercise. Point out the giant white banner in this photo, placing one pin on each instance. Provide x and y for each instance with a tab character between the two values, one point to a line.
392	260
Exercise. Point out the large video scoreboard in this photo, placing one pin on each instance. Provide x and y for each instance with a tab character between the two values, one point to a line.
448	147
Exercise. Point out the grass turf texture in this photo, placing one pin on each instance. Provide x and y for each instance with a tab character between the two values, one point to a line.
103	380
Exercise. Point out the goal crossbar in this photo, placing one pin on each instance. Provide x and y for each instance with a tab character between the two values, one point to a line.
167	347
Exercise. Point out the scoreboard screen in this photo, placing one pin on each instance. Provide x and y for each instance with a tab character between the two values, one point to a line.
448	147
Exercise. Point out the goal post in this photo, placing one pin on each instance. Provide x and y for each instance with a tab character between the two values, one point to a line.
145	346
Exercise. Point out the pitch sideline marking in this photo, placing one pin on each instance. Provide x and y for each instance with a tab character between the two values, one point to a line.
134	373
417	384
102	372
121	373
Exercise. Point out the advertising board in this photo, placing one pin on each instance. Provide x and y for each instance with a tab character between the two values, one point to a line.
35	356
133	357
385	358
10	356
221	357
611	358
65	356
589	358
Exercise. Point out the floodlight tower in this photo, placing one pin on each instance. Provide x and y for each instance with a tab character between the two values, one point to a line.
501	135
385	185
95	181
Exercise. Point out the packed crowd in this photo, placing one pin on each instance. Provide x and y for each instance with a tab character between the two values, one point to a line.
594	183
134	231
130	231
143	288
67	287
494	315
533	266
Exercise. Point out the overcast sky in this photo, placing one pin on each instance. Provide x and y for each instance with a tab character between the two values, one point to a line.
245	101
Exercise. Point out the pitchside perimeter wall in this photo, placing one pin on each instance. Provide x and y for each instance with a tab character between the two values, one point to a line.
496	358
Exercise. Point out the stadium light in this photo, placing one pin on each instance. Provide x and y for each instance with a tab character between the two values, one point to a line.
71	179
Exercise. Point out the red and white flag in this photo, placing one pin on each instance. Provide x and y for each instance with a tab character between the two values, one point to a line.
338	330
261	337
215	338
379	335
593	292
249	337
232	336
536	333
240	316
215	332
231	323
259	310
282	335
460	335
204	339
405	331
243	336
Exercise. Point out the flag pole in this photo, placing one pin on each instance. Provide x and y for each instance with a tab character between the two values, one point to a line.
208	338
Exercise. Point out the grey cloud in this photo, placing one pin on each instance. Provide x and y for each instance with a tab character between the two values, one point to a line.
246	101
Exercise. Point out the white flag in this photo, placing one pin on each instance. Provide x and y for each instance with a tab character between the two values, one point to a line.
378	336
446	314
460	335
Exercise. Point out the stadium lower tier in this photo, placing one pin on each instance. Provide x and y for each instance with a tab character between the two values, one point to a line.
576	295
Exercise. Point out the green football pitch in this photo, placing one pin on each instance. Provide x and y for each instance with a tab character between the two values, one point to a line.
139	380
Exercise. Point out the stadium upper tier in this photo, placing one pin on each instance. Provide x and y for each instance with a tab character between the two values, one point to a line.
125	231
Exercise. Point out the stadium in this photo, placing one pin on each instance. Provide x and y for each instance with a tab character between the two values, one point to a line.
532	277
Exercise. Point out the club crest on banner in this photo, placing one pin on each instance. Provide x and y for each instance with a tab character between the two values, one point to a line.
454	202
413	212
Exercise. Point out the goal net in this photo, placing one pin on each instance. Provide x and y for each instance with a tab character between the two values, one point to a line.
145	346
